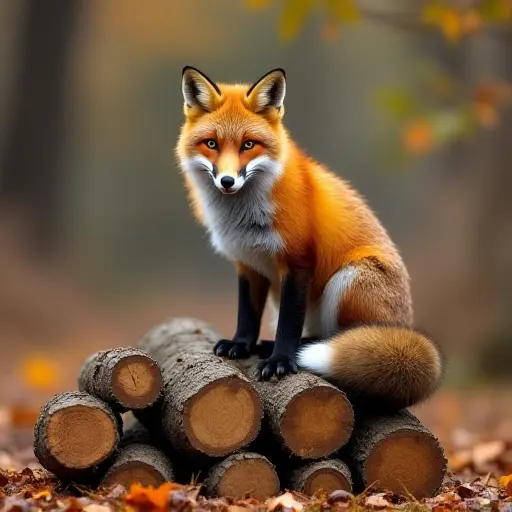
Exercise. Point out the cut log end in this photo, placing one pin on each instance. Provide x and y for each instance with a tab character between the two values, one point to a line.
223	417
407	461
74	433
243	475
326	475
80	436
317	422
136	381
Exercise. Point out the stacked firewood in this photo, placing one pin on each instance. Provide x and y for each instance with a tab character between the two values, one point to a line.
170	410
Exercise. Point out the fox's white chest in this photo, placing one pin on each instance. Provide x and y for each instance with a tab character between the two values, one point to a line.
240	227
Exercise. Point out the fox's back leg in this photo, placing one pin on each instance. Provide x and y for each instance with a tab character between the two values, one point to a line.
367	291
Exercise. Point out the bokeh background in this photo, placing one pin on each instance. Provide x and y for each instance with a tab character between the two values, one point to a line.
410	101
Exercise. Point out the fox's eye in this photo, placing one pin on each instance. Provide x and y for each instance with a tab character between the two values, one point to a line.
211	143
248	144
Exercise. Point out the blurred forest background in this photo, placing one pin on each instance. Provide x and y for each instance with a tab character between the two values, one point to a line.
410	101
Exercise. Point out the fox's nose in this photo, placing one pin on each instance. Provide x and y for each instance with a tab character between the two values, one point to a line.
227	182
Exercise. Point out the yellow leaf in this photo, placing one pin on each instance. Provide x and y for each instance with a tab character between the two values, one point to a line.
258	4
46	494
39	372
293	17
344	10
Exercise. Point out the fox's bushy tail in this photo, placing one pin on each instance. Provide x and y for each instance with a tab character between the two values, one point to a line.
393	367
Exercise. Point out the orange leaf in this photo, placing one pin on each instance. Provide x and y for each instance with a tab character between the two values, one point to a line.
451	24
39	372
46	494
506	481
418	137
149	496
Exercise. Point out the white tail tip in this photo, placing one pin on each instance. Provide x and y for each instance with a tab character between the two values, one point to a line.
316	357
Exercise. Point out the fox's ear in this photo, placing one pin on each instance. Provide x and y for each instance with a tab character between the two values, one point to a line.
198	90
268	92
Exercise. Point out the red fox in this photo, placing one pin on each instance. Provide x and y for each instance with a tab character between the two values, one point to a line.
299	233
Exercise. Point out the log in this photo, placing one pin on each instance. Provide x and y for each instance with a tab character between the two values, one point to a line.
309	417
75	433
125	378
210	407
306	416
243	475
325	475
397	453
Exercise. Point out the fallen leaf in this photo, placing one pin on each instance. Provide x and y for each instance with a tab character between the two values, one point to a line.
506	481
149	496
97	508
377	501
46	494
285	502
485	453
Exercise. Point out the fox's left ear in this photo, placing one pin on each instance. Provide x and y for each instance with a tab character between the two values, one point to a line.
268	92
198	90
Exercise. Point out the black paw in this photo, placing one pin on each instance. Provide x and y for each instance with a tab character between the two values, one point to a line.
232	349
278	365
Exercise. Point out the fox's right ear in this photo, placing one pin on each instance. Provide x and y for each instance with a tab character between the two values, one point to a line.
198	90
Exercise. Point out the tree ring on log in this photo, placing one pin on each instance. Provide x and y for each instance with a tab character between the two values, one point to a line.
223	416
136	381
80	436
317	422
406	461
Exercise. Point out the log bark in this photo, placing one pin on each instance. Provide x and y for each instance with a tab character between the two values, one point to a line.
397	453
75	433
325	475
210	407
243	475
125	378
309	417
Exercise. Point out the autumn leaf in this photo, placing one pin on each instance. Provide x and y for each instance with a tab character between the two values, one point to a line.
451	24
149	496
39	372
285	501
418	137
472	22
506	481
496	10
293	17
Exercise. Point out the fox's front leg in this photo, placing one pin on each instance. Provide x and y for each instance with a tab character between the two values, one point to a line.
292	312
252	295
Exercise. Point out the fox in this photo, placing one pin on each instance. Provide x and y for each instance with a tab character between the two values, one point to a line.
304	237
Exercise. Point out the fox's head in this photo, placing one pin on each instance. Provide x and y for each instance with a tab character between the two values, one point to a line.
232	133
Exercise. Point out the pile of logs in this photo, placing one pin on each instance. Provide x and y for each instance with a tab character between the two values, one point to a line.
170	410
